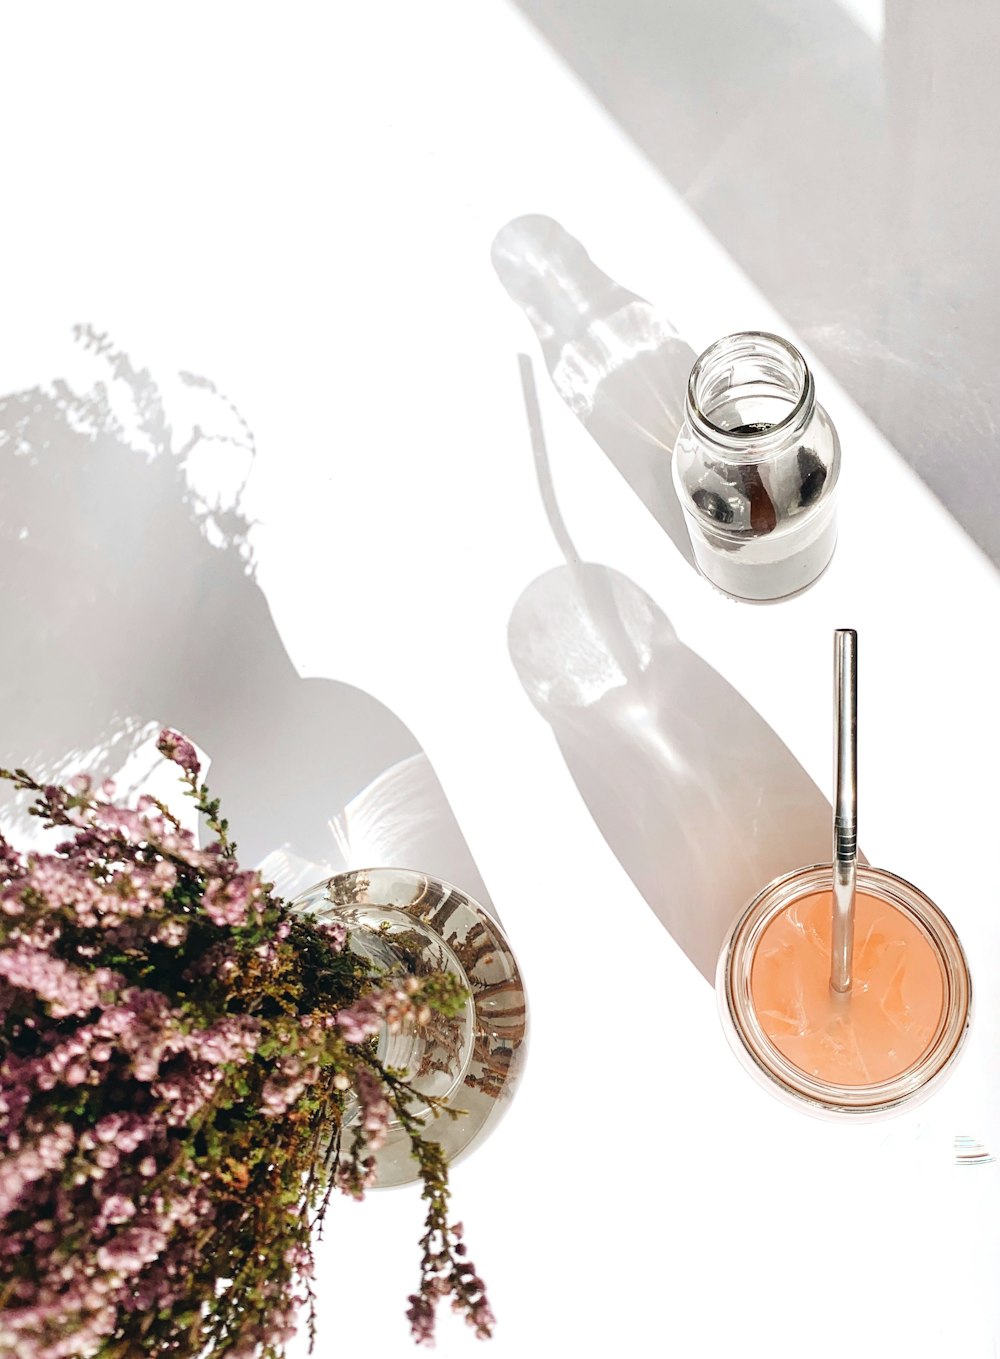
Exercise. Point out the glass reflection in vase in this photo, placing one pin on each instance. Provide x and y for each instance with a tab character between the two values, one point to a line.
405	923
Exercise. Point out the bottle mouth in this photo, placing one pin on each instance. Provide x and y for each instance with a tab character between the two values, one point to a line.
749	392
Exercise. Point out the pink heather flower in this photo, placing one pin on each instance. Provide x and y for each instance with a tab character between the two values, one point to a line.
287	1086
116	1208
233	1039
334	930
10	860
348	1182
482	1318
130	1251
66	990
139	1210
186	1095
228	902
126	1131
44	1157
65	888
165	875
420	1315
375	1108
360	1020
366	1016
172	933
178	748
127	822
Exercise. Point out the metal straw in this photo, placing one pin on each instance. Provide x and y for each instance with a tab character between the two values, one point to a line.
845	806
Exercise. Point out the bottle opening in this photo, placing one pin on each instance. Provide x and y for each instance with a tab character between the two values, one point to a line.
747	388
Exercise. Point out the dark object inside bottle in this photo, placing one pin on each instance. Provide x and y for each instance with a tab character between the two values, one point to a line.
754	427
763	515
713	506
812	479
748	482
812	476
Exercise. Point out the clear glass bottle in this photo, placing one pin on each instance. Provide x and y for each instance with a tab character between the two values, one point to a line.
406	923
755	468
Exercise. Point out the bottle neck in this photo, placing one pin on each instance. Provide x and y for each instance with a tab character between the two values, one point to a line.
749	395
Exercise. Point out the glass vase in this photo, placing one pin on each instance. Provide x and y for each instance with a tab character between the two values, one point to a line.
407	924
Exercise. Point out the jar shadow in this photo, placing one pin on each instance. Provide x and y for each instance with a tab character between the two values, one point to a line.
698	798
696	795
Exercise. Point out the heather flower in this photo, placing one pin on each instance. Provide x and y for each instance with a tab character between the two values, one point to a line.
233	901
179	749
64	989
334	931
376	1110
420	1315
10	864
177	1051
387	1007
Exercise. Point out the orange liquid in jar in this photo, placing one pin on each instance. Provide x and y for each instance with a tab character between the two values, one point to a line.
882	1026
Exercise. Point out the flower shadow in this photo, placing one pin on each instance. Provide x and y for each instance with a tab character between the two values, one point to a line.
128	600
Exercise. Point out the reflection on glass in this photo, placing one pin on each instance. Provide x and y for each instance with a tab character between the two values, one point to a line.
406	923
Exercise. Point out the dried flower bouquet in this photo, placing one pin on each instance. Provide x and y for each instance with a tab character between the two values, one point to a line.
179	1051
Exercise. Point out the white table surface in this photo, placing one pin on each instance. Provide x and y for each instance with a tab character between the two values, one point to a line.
298	205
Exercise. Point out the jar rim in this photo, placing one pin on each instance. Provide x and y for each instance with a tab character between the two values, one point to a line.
745	441
795	1086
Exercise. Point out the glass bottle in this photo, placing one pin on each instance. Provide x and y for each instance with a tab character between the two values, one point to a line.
755	468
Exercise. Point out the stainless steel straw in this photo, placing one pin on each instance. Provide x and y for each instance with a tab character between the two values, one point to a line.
845	806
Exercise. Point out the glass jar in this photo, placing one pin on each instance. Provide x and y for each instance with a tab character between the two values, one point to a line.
760	1037
405	923
755	468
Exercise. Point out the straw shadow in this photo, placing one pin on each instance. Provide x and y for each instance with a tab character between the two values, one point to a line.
695	794
128	601
617	363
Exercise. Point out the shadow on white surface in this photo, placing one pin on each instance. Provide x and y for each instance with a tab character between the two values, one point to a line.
617	363
851	182
695	794
128	600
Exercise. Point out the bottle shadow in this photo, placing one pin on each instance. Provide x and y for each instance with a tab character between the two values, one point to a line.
844	171
613	358
128	600
696	795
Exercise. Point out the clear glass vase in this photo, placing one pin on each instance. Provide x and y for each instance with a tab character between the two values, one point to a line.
408	924
755	468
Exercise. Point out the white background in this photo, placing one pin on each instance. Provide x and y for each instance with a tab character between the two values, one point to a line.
300	206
